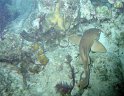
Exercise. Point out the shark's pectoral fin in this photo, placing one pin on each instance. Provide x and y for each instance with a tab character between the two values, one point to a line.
74	39
98	47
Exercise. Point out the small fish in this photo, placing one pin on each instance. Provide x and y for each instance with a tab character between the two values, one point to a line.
88	42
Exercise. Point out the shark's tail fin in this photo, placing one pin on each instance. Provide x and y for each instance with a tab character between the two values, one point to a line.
84	82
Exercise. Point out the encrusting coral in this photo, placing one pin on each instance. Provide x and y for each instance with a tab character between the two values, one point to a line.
38	54
42	59
35	47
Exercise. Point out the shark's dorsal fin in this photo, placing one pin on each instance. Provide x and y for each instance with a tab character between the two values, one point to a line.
98	47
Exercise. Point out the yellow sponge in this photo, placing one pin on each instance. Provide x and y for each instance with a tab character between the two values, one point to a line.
57	19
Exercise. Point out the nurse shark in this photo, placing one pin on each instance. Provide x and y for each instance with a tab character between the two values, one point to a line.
89	42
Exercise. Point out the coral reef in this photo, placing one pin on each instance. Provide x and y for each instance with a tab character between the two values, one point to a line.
107	72
103	12
44	33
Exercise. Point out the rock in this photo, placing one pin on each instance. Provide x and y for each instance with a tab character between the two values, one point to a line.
11	81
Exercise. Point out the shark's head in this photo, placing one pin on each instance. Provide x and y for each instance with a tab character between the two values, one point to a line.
91	37
94	33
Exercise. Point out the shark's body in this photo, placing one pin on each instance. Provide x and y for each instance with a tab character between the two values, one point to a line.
89	41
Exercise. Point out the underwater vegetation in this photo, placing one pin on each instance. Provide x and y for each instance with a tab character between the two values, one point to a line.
63	87
25	61
43	33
